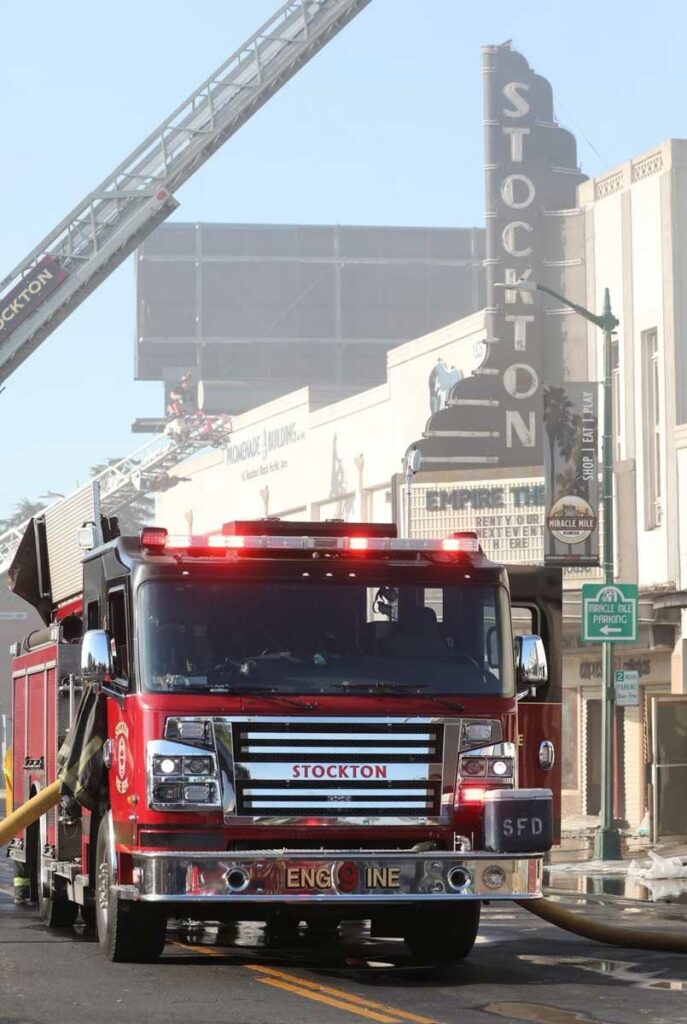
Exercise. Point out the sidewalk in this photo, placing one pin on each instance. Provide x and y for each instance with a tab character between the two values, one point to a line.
571	872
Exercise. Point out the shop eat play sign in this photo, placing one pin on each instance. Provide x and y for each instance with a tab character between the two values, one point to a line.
610	612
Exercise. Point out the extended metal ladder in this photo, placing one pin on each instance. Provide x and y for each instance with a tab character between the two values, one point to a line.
123	481
92	240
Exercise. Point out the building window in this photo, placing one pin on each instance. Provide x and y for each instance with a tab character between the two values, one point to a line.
652	429
116	621
617	403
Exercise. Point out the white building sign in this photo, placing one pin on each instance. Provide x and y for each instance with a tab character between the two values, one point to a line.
264	450
627	688
508	515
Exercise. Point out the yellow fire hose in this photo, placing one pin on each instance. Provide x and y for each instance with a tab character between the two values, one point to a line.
7	771
548	910
30	811
613	935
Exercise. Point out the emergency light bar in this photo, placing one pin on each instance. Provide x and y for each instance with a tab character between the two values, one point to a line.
273	527
157	540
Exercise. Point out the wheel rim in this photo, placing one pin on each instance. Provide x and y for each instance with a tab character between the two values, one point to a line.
42	898
40	892
102	897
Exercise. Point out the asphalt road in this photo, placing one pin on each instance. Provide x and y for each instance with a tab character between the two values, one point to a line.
520	970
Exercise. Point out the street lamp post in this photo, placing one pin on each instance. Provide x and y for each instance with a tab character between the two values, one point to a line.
413	461
607	837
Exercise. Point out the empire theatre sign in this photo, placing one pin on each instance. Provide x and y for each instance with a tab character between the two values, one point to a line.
508	515
493	418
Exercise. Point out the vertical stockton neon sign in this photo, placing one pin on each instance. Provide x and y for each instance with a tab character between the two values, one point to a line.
494	417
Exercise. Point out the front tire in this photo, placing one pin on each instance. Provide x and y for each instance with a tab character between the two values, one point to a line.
446	932
128	932
55	913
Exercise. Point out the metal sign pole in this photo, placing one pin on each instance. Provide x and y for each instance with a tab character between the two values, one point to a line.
607	837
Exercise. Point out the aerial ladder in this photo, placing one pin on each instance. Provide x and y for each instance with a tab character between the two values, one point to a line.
144	471
91	241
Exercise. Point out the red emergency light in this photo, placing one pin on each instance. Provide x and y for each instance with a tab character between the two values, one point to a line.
154	538
219	541
331	537
452	544
472	794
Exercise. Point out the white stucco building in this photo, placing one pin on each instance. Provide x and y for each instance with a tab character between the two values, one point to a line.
344	460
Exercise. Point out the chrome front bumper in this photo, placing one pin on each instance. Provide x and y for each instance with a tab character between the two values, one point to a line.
296	876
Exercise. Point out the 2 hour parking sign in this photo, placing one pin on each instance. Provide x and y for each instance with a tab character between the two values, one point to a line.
610	612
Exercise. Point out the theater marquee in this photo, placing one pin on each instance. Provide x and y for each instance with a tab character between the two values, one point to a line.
508	515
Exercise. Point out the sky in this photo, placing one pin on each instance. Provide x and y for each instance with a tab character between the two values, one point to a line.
384	126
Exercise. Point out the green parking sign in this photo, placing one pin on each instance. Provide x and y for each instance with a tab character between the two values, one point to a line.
610	612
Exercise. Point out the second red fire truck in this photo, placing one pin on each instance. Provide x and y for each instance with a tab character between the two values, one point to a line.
288	722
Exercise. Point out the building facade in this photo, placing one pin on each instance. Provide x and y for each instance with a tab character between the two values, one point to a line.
635	221
469	396
257	310
297	459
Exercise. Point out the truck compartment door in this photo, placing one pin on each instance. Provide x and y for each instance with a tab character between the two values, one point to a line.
537	598
539	752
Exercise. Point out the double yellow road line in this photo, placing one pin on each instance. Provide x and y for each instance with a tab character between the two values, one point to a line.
336	997
327	994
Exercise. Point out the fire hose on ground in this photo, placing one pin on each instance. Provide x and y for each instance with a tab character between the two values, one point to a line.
548	910
599	931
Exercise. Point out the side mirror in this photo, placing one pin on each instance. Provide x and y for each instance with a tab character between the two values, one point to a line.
96	657
531	669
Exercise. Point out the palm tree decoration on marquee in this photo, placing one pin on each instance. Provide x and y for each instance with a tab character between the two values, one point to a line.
563	428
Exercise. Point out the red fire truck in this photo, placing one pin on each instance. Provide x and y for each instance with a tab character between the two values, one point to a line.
299	722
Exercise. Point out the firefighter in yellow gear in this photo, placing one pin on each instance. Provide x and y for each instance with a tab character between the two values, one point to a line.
7	768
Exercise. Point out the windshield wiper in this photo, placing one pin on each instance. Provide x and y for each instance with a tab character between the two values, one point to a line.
446	703
382	687
274	693
399	688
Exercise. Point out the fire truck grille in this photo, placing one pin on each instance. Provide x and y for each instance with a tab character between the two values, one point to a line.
299	769
395	742
358	800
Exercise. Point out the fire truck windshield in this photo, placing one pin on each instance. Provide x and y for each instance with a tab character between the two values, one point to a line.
324	637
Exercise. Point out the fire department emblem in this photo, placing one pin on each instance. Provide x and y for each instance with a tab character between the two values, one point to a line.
121	738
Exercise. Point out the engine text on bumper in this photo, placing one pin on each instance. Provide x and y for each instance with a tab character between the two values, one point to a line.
337	877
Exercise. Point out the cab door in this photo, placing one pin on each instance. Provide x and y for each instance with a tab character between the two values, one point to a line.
122	732
536	600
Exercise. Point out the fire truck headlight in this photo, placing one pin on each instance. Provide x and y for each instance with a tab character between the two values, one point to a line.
190	729
198	766
199	793
167	792
167	766
478	731
180	779
491	767
472	766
